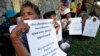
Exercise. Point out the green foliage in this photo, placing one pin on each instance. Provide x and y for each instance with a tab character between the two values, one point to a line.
85	47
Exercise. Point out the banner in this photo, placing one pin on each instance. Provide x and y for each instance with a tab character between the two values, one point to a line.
42	38
75	27
91	28
59	35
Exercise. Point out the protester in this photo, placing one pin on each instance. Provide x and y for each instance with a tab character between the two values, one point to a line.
73	8
65	23
61	10
10	17
84	17
93	15
28	11
83	7
52	15
66	3
78	9
7	49
91	18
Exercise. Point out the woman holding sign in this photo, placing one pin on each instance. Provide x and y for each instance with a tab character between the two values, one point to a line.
28	11
51	14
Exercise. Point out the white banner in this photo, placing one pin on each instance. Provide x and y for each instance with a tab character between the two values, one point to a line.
42	38
91	28
75	27
59	35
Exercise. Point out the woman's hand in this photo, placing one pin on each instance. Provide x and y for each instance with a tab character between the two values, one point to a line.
21	27
56	26
18	45
68	22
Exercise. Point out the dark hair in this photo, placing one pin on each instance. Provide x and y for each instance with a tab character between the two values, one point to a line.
48	14
73	0
93	14
33	6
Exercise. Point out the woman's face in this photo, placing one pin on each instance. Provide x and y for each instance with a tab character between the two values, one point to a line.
27	13
68	15
54	17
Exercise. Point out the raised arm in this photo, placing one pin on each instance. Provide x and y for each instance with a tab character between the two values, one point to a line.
18	45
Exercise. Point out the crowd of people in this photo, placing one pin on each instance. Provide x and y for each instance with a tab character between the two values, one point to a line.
12	45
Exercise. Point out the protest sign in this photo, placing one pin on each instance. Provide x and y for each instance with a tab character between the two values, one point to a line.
42	38
91	28
59	35
75	27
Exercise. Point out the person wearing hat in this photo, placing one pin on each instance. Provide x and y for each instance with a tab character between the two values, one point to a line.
11	19
67	18
65	22
7	49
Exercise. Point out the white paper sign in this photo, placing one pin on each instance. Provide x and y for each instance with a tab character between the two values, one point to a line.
77	19
42	38
59	35
91	28
75	27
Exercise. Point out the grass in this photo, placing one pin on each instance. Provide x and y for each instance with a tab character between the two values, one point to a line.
85	46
